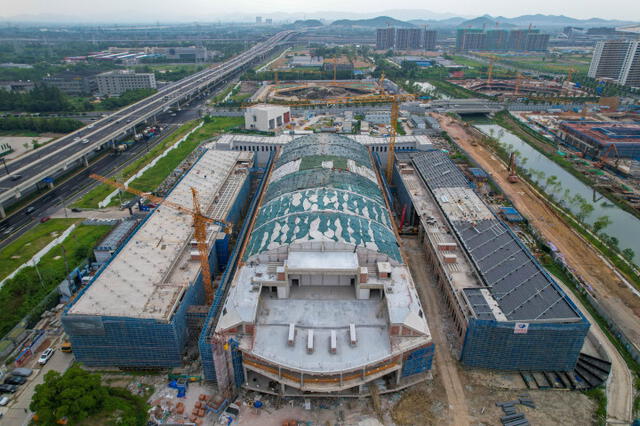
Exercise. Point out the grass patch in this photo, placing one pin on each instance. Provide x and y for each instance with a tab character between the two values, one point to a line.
30	243
454	90
155	175
91	199
22	295
600	398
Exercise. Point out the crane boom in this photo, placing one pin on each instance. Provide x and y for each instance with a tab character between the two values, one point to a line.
200	222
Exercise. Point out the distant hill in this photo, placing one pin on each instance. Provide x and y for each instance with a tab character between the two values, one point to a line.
539	20
433	23
308	23
378	22
487	22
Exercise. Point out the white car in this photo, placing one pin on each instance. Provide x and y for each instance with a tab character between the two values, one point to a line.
229	415
85	141
46	356
4	401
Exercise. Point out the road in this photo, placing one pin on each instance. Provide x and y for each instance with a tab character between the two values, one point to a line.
444	362
621	304
17	413
59	154
19	222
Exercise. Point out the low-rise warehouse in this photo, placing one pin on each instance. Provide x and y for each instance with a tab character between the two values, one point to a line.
323	302
135	312
594	138
509	314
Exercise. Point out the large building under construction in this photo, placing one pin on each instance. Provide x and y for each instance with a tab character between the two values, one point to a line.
322	301
138	309
509	313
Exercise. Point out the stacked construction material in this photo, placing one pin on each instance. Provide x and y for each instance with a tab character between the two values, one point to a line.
512	417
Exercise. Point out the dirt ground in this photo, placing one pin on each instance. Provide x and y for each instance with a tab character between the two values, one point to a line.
619	301
458	395
614	296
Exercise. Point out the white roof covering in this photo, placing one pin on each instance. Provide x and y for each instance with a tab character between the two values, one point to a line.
326	261
147	277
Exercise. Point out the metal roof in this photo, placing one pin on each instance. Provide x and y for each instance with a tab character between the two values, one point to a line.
324	189
521	287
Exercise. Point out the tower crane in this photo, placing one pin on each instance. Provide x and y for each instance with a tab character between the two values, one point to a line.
200	222
492	59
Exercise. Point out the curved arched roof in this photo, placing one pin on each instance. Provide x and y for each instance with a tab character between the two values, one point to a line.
324	189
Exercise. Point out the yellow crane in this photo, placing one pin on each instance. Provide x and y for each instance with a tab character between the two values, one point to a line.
492	59
200	222
394	100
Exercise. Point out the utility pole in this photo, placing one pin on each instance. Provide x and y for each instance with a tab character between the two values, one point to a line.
64	207
4	162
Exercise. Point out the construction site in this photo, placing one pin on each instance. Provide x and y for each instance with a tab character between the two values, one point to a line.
315	90
307	270
521	87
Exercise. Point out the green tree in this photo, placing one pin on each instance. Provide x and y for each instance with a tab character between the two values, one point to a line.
76	395
584	211
601	223
628	254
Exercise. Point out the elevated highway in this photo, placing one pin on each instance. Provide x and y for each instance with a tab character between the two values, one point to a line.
44	164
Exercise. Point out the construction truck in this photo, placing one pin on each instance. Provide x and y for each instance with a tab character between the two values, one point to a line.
66	347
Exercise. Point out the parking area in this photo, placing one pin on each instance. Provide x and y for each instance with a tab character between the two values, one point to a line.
17	413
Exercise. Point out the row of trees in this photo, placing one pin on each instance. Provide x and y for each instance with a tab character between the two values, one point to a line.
40	125
41	99
576	203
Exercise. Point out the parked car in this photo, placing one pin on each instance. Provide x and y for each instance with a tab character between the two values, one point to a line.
229	415
23	372
4	401
46	356
8	388
44	219
76	210
66	347
15	380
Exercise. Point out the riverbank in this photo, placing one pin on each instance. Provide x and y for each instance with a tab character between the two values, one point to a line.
543	145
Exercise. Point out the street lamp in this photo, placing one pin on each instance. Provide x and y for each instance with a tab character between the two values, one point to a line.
4	163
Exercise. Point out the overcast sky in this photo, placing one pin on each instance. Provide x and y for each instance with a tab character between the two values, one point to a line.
207	10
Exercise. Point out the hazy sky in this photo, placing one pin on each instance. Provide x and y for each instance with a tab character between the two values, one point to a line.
192	9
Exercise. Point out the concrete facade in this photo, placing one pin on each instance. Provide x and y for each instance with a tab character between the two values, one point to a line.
266	118
115	83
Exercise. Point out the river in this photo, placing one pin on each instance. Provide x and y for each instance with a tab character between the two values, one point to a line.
625	226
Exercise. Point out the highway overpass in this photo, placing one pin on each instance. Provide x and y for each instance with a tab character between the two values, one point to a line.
44	164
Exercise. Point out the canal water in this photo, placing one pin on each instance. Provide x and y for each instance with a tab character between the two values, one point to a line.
625	226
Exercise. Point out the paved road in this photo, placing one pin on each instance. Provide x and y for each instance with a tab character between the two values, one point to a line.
15	414
56	155
19	222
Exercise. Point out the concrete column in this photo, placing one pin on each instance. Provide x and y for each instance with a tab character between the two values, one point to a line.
50	184
2	212
282	388
85	161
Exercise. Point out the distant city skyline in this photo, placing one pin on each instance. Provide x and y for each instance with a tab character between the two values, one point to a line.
203	10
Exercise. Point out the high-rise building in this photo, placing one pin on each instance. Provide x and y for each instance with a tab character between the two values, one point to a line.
408	38
618	60
385	38
470	39
516	40
429	39
497	39
536	42
258	19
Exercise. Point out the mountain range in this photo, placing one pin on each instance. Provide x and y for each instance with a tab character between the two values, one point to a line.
394	17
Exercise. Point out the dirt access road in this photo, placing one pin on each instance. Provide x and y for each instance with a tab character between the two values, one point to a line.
621	304
444	362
